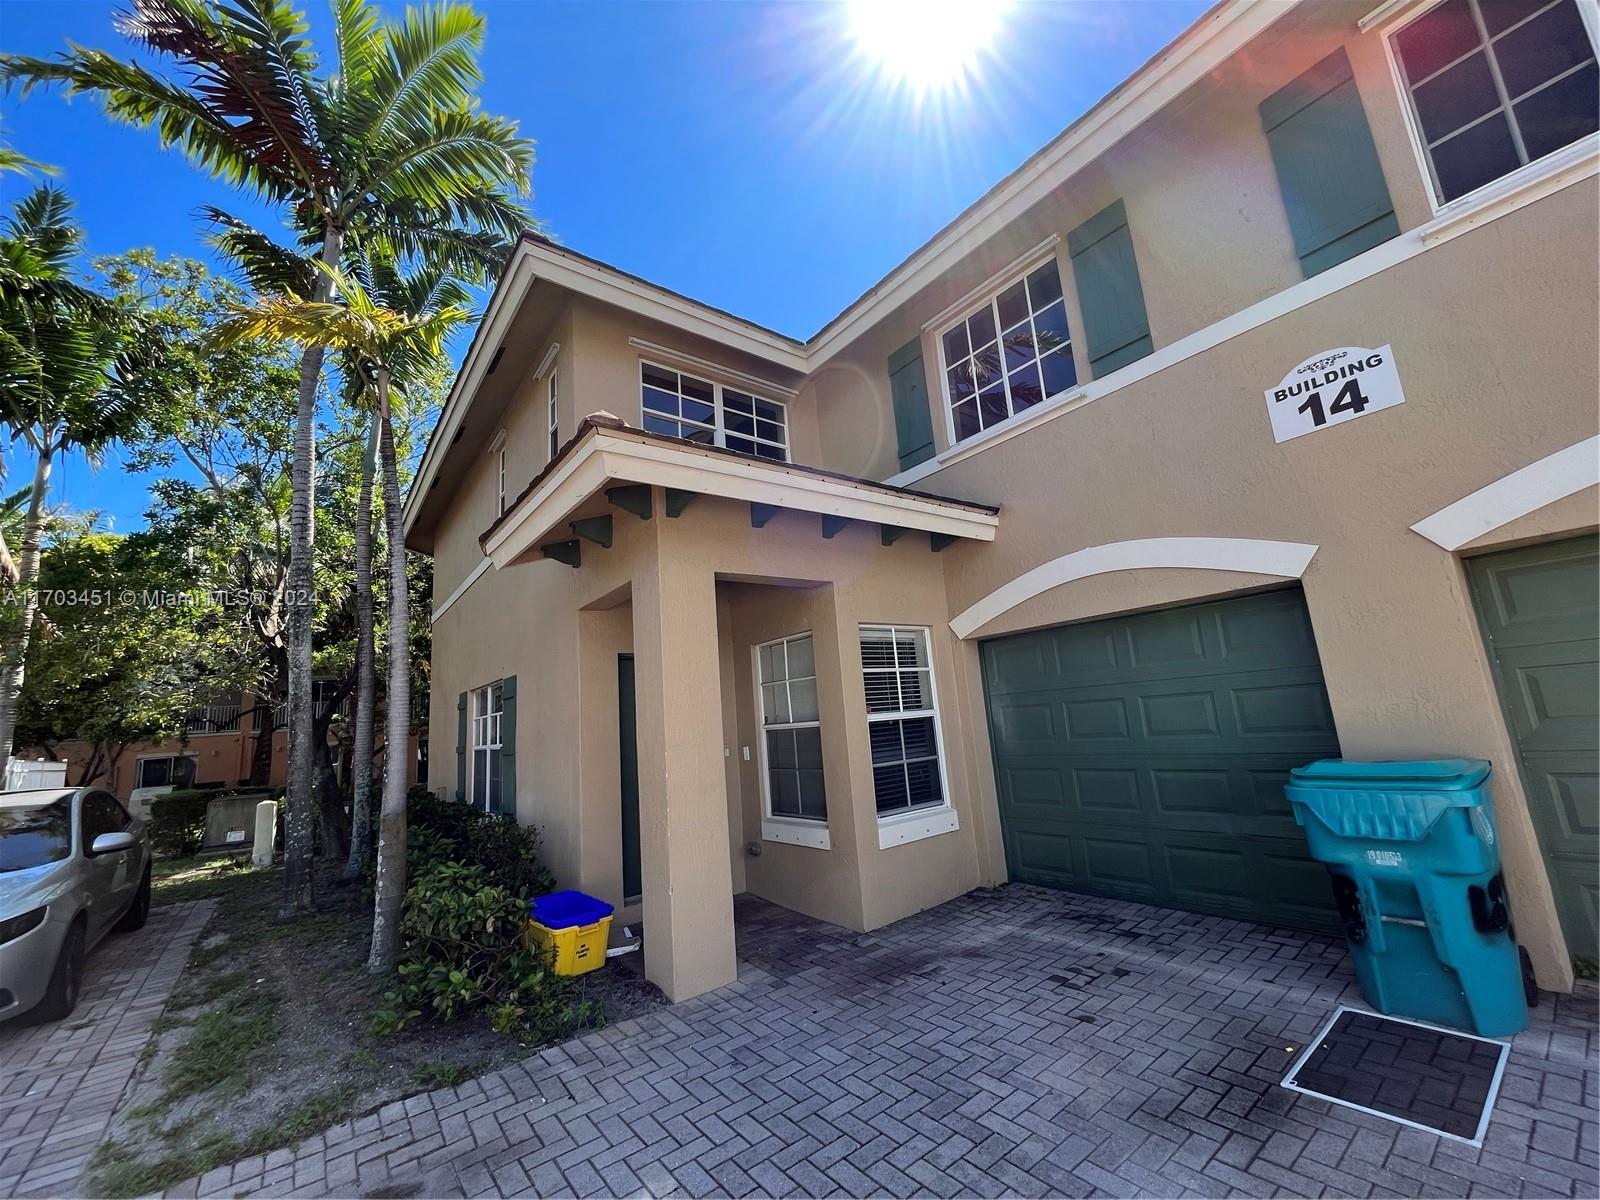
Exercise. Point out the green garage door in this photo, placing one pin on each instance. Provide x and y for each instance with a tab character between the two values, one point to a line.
1540	608
1144	757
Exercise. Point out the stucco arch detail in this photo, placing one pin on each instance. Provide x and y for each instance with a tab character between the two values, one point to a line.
1287	560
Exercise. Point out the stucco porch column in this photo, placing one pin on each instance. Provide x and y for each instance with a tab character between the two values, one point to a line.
683	802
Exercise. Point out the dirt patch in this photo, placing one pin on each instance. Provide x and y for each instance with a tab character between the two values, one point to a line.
265	1040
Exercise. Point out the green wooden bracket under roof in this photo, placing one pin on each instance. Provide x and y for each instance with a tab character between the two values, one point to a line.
569	552
678	500
889	534
594	529
634	498
832	525
760	514
938	541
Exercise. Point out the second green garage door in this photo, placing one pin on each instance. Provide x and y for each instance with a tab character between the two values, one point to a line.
1144	757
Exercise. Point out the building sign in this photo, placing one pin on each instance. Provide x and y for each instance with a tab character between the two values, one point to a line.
1331	388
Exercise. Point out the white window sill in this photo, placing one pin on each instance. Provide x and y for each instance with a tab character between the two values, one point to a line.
813	834
1517	190
914	826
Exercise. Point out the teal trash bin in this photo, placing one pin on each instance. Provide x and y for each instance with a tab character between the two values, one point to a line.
1415	860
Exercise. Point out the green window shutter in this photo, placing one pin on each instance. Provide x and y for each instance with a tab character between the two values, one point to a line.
508	745
1109	294
461	746
1328	170
909	387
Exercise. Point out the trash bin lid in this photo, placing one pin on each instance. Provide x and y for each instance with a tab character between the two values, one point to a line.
562	910
1416	775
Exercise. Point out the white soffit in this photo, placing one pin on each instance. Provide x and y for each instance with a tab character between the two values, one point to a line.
615	456
1288	560
1552	478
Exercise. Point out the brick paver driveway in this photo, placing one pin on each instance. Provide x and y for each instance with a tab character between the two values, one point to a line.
61	1082
1012	1042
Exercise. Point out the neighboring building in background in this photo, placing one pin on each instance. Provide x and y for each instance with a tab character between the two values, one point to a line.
218	749
1251	421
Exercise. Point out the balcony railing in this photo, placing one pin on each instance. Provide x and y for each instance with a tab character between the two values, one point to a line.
213	718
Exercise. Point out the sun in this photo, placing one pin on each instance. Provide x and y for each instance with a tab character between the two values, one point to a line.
927	45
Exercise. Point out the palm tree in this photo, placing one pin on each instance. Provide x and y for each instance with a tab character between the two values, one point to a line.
66	354
390	148
386	337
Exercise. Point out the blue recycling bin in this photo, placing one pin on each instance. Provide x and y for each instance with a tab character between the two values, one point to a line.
1415	860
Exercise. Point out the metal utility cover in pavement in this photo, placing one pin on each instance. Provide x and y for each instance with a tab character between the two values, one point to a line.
1429	1078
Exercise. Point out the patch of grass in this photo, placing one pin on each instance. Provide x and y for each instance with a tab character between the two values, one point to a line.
438	1073
175	880
364	1060
217	1055
118	1171
205	989
312	1115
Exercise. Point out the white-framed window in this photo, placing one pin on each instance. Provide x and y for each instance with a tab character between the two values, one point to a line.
484	771
165	770
682	405
1008	354
554	414
500	503
903	729
1494	85
791	737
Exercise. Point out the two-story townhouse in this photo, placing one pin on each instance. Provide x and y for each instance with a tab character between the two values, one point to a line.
1253	420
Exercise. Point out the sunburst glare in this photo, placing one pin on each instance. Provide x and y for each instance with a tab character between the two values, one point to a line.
926	45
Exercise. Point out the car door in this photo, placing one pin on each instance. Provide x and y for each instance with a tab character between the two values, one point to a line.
107	875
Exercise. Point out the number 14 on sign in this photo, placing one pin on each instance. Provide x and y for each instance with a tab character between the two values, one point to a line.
1331	388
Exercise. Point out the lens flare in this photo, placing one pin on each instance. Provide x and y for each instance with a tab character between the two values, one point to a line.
926	45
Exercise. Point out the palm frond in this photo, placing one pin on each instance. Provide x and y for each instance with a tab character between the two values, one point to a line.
430	62
269	267
249	63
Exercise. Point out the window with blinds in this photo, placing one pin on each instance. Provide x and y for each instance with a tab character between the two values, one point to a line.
902	719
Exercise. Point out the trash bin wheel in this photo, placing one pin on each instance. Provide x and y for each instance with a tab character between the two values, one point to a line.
1530	989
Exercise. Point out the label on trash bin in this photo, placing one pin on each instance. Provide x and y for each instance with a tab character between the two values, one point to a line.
1483	827
1386	858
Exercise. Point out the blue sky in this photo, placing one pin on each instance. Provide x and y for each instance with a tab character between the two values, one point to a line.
741	153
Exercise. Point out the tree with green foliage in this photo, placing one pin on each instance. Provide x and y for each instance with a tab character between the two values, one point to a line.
225	413
386	341
390	149
143	644
68	356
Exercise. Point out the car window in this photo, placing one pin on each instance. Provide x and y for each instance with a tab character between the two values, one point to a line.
101	814
33	836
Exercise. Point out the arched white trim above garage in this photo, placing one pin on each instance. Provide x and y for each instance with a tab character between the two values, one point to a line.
1527	489
1256	556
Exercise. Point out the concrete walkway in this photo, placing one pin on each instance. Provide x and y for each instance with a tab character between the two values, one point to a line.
61	1082
1012	1042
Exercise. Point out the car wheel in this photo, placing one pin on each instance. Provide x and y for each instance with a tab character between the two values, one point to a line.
139	911
66	981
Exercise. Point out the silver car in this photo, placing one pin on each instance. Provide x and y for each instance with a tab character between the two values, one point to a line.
73	866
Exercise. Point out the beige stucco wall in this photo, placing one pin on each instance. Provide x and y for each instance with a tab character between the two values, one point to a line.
1489	388
1494	337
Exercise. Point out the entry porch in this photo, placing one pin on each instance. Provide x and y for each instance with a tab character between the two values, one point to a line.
760	651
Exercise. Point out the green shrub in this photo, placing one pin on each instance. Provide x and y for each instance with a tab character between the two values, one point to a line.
439	831
463	952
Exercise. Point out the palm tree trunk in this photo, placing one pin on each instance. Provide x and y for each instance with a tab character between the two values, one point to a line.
15	649
300	816
391	883
361	756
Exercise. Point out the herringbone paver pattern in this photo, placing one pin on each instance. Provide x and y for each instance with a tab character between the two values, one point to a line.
1014	1042
60	1082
